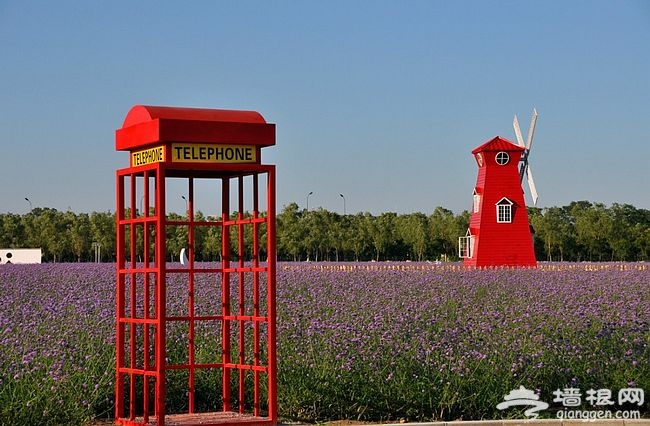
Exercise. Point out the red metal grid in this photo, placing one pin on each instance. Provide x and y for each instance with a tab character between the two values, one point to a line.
138	327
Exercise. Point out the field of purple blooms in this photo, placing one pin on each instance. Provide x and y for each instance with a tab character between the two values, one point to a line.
367	341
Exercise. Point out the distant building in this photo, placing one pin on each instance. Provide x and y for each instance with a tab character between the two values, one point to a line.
20	256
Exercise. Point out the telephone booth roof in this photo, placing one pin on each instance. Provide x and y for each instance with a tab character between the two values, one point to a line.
498	144
146	125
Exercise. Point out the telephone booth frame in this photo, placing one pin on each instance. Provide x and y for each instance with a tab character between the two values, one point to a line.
240	378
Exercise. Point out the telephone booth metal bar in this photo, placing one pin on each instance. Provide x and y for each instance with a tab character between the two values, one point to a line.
195	328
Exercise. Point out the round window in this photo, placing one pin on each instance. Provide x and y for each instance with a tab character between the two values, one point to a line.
502	158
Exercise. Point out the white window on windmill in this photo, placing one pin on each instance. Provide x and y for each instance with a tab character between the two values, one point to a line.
466	245
504	211
477	201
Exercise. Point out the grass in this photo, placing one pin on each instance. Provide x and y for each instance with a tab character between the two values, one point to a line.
364	341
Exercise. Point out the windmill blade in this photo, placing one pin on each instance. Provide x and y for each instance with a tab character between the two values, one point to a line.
515	125
531	129
531	185
523	167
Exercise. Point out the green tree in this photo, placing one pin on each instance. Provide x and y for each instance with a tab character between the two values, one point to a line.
291	232
12	231
79	233
211	242
593	224
102	232
382	231
578	231
413	229
338	235
319	239
176	237
444	230
46	229
642	241
621	237
358	235
554	230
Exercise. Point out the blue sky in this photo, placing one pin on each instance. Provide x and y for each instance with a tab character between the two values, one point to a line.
382	101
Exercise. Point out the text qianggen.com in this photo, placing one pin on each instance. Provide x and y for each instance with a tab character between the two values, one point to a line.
597	414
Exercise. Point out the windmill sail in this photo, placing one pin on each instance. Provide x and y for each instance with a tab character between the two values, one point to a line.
531	130
524	169
531	185
515	124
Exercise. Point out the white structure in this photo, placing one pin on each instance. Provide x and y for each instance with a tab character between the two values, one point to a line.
20	256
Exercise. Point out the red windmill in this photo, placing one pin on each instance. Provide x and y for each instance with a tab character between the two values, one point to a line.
499	233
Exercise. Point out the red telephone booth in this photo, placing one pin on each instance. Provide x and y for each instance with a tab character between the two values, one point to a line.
195	340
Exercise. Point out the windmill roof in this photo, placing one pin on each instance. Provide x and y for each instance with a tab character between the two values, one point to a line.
498	144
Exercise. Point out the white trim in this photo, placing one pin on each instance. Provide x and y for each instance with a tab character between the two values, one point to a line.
502	158
466	246
477	201
504	210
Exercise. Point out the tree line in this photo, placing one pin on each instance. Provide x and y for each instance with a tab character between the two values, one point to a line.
580	231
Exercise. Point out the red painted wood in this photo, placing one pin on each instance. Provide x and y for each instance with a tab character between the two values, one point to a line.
500	244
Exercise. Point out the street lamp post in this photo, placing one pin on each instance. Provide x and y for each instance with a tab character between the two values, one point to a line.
342	196
30	204
187	207
310	193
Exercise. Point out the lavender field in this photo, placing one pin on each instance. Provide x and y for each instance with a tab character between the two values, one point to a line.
368	341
